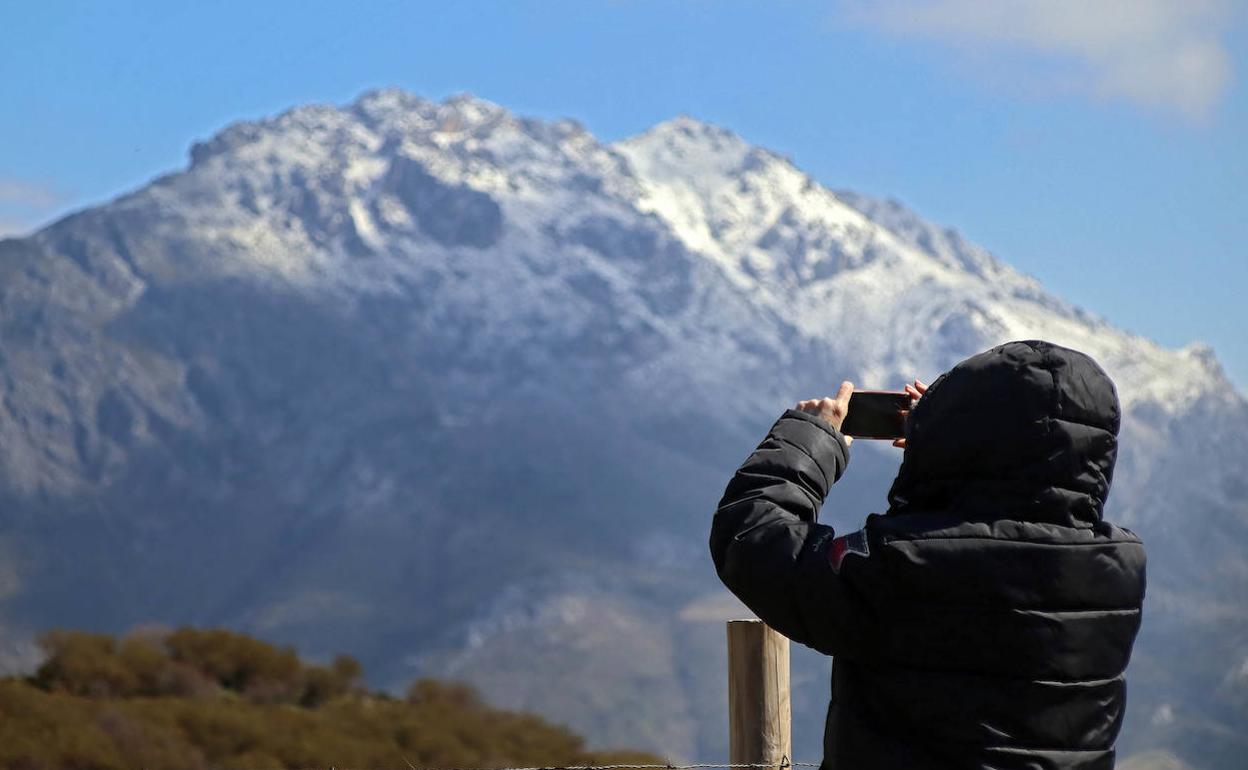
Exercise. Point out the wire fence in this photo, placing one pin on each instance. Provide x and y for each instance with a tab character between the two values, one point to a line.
784	763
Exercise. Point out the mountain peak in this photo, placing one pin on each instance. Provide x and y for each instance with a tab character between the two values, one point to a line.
749	208
391	99
688	125
472	110
401	110
685	144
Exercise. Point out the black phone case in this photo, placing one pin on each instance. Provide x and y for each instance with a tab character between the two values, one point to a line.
876	414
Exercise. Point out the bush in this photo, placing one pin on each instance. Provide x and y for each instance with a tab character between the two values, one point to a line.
201	699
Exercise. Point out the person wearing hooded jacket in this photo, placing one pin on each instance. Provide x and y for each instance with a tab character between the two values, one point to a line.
986	619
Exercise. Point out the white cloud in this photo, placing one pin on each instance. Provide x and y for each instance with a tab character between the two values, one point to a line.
12	228
24	204
15	191
1162	54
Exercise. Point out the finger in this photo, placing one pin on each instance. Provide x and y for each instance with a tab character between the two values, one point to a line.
899	443
845	391
849	440
920	386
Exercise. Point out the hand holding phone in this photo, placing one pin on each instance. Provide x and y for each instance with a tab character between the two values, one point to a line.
877	414
881	414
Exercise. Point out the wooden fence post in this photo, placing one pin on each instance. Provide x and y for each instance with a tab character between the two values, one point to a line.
759	712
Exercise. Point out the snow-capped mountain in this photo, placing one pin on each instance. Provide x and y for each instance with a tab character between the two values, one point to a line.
456	391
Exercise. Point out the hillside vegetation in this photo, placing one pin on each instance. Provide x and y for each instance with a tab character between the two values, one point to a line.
192	698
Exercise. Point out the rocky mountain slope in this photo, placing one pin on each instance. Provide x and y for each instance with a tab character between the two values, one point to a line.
456	391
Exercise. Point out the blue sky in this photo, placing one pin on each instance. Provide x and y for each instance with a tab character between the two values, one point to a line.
1102	150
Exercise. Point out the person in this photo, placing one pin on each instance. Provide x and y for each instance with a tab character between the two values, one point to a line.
985	620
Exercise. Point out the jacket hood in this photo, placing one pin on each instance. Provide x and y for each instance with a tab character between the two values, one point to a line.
1025	431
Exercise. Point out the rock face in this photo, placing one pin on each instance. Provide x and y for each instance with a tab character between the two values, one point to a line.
456	392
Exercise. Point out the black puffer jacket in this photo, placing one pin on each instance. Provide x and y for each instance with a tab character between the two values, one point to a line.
986	619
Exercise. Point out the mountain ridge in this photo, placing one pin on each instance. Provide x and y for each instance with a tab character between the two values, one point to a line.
465	112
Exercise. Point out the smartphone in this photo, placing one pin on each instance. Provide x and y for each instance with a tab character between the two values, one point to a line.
876	414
